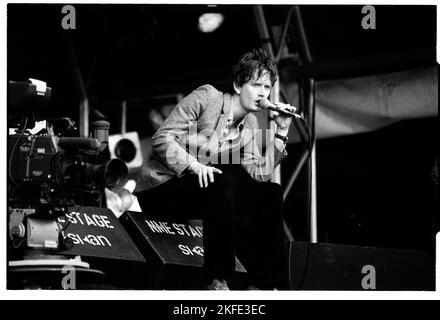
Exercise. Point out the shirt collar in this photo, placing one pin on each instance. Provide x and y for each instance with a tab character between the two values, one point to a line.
231	119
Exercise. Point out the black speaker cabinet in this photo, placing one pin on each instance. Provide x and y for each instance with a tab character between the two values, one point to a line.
321	266
173	252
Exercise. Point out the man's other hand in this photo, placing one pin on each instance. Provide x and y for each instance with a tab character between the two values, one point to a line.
205	173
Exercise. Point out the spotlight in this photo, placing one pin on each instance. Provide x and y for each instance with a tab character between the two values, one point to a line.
209	22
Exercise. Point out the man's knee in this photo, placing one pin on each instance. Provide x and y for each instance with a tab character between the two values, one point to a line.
223	181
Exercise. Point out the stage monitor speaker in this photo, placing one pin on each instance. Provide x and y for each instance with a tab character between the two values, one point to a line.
97	233
321	266
173	251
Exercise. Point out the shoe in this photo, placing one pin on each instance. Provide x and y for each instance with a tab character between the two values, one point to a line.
251	287
218	285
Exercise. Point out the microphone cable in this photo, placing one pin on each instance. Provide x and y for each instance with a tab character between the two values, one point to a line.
309	203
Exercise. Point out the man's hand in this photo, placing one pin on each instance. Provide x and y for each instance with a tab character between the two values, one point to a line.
204	172
282	121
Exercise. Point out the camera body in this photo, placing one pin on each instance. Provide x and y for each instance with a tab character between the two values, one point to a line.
51	169
61	170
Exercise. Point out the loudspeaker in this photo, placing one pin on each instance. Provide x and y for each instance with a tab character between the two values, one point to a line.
173	251
322	266
127	147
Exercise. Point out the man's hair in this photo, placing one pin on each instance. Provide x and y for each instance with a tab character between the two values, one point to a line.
255	62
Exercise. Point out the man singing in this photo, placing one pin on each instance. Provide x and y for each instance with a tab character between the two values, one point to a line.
206	164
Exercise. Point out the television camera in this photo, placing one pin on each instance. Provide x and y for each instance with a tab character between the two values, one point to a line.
50	168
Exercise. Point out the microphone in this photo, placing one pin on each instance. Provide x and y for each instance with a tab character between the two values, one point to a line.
266	104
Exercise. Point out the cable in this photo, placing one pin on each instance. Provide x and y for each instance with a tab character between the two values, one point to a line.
301	283
309	204
289	262
66	224
13	150
309	133
308	250
56	163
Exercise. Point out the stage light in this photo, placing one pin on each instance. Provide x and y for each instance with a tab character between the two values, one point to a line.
209	22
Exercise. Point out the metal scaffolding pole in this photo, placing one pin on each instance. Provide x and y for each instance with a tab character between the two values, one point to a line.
275	93
308	88
124	116
310	107
267	46
284	34
307	85
83	99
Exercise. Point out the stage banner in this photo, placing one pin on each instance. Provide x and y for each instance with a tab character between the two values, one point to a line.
97	233
174	250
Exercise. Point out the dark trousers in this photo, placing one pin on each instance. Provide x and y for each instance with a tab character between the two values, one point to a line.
240	217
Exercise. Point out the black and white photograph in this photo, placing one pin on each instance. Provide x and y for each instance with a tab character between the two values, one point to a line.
175	147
